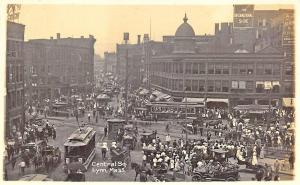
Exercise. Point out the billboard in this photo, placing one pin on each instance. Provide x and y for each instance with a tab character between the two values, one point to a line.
243	16
288	28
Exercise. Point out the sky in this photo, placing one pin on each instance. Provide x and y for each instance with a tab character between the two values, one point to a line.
107	23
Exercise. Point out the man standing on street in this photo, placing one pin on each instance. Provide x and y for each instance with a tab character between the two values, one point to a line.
89	117
105	131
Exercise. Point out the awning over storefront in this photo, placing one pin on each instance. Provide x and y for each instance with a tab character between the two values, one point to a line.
255	109
220	100
193	100
144	92
288	102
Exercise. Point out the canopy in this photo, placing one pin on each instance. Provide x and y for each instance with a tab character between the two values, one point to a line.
255	109
193	100
144	92
288	102
217	100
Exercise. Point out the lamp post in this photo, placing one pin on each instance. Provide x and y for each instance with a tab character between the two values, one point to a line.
126	38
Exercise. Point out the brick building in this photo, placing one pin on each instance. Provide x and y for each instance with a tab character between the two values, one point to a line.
14	120
60	66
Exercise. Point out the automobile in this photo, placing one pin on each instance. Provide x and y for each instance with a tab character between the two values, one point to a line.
35	177
228	175
147	137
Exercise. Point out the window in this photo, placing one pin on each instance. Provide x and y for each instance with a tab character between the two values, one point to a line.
180	68
201	85
234	84
235	69
288	87
260	88
276	69
242	85
188	68
195	68
195	85
276	87
218	68
242	69
188	85
226	69
249	85
259	69
210	86
201	68
180	83
225	86
268	69
211	69
218	85
250	68
289	69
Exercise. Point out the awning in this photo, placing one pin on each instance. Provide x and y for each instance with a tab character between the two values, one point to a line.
288	102
144	92
193	100
217	100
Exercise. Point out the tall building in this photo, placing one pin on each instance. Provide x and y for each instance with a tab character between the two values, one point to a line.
15	117
60	66
222	78
110	62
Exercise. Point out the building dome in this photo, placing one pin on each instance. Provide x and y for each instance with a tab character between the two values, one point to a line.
185	30
184	38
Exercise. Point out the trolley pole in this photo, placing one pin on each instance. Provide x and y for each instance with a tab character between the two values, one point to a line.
126	38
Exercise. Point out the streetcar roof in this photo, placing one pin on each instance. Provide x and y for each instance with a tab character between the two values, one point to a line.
82	135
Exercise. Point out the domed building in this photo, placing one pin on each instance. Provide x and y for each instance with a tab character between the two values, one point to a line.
184	38
213	75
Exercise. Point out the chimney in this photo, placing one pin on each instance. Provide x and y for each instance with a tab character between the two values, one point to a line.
146	37
51	38
224	27
216	28
139	39
58	35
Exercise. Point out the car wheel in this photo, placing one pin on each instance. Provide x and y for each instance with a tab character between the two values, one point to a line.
196	178
230	179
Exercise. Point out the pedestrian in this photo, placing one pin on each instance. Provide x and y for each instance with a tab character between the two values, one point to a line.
97	118
292	160
104	151
276	167
89	117
105	131
168	139
13	162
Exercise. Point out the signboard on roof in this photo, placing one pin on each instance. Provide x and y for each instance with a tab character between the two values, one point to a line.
243	16
288	36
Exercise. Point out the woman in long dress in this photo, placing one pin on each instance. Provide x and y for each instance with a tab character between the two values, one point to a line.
254	159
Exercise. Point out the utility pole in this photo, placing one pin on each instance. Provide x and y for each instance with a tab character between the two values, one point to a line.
126	38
